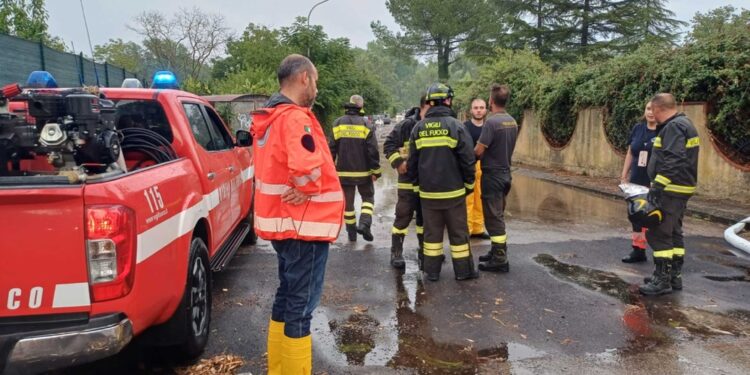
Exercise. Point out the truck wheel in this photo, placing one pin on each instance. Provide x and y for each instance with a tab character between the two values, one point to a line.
196	301
251	238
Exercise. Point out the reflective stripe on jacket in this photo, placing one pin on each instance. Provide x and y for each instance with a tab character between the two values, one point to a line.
396	146
674	159
290	151
441	157
354	146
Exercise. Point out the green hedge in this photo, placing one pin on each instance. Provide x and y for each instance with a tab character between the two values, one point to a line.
712	66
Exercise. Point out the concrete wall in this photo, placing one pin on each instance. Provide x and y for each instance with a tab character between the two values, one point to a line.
589	153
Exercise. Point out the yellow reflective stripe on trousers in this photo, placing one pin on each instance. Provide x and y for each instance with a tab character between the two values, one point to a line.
693	142
460	251
367	204
353	174
657	142
350	221
376	171
678	252
665	254
499	239
367	211
433	249
443	195
350	131
350	213
441	141
404	231
420	230
680	189
393	157
662	180
405	186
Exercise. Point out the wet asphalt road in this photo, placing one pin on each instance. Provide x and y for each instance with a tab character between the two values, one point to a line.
568	304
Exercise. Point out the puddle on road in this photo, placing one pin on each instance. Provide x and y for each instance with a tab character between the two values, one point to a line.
546	202
404	340
649	319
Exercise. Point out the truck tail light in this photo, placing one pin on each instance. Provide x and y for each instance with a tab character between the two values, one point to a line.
110	250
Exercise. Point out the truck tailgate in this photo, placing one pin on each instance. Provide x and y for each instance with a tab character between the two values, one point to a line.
43	268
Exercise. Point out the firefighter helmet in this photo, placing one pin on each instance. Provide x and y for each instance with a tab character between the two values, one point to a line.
642	212
439	91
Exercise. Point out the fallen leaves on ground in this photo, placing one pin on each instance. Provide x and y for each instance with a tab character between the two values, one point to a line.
217	365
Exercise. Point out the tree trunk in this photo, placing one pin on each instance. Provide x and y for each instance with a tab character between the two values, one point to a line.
539	25
443	61
585	25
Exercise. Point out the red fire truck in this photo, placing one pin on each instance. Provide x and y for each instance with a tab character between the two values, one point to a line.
116	205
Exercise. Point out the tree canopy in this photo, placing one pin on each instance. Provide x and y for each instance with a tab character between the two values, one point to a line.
27	19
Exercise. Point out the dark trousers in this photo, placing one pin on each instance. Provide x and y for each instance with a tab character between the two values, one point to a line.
367	192
666	239
439	215
496	186
302	268
408	203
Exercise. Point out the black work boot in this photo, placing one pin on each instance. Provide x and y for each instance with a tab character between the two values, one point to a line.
364	230
660	282
432	266
498	261
488	256
637	255
397	251
464	268
676	274
351	230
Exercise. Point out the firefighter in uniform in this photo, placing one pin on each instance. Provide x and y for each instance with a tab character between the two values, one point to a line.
441	164
673	170
495	148
355	149
396	149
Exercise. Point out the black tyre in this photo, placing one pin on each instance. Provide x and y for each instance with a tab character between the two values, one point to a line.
196	301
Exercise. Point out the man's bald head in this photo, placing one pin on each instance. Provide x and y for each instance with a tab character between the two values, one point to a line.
291	66
663	106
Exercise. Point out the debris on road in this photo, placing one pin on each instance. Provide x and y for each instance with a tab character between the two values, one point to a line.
217	365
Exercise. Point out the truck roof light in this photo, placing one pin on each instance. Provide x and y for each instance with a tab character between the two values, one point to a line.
164	79
131	83
41	79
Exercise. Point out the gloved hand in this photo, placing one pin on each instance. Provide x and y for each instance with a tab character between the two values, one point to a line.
655	194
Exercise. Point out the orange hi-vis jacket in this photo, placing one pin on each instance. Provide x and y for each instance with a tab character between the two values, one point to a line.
291	151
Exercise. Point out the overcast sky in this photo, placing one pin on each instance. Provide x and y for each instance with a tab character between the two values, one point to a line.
339	18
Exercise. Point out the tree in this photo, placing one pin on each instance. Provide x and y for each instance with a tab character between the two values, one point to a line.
28	20
186	42
129	55
537	24
653	23
438	28
251	63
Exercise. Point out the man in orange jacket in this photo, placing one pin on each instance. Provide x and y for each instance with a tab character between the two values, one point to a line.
299	207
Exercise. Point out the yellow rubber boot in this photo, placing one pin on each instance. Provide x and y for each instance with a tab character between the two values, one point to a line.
297	356
275	337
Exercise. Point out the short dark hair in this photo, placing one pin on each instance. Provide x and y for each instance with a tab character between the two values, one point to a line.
422	100
291	65
499	94
664	101
471	103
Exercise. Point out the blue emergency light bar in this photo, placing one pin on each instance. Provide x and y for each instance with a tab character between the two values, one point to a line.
41	80
164	79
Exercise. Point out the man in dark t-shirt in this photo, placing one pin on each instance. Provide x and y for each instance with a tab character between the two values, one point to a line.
474	201
495	149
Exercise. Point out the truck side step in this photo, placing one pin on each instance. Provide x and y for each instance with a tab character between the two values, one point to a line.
227	251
